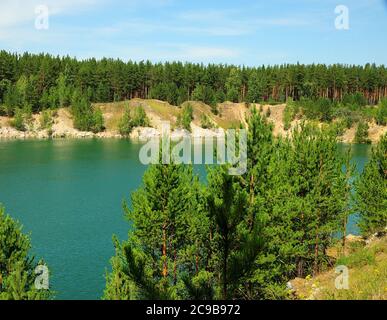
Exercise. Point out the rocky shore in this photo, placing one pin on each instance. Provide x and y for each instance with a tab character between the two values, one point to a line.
158	112
141	134
62	128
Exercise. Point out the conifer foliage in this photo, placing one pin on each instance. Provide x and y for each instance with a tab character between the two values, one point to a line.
243	237
43	81
17	268
371	191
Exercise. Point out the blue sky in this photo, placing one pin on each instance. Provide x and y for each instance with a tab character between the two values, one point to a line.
239	32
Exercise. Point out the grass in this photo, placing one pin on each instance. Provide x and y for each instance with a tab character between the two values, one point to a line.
228	124
163	109
113	113
367	274
361	258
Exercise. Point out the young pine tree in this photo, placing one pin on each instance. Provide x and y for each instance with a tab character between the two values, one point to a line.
140	118
168	239
185	118
317	179
304	199
235	243
85	117
349	170
17	276
125	126
371	192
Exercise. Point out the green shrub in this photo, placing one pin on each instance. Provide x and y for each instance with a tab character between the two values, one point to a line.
362	257
17	265
98	122
85	117
361	135
349	121
214	108
355	101
368	113
126	125
220	96
28	119
205	122
321	109
290	113
204	94
140	118
46	119
18	120
338	128
185	118
381	113
348	116
3	111
128	122
371	192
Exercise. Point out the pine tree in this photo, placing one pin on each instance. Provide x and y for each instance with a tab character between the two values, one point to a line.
236	245
115	80
381	115
17	276
85	117
140	118
98	121
126	125
318	179
63	91
233	85
185	118
371	192
301	203
169	235
18	121
11	99
361	135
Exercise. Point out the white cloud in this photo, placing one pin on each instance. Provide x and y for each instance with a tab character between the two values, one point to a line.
14	13
208	15
166	52
144	27
280	22
228	19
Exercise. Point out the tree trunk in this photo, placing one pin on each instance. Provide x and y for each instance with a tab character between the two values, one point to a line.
165	264
344	233
300	264
251	202
224	272
315	268
175	266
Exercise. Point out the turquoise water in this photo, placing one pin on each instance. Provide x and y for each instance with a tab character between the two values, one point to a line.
68	196
360	153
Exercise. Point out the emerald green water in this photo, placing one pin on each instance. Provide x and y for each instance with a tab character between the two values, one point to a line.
68	196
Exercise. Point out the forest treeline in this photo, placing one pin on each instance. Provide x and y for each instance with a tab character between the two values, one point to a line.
43	81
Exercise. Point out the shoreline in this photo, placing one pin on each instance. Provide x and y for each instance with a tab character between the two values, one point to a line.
138	134
159	112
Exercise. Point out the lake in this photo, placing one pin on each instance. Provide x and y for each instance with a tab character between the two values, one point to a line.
68	196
